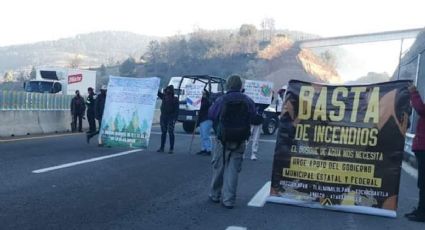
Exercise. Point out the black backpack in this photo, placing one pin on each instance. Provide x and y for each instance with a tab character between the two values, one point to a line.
234	123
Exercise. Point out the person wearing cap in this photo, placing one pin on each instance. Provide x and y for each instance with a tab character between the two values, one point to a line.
168	118
99	107
227	159
90	103
205	125
77	111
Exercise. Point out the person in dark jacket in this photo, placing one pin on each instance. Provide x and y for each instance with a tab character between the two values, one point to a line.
99	108
418	147
227	160
205	125
169	113
77	111
90	103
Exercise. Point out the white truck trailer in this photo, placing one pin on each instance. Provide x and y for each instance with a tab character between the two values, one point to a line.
61	80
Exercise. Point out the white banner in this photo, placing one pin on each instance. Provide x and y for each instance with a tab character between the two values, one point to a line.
259	91
193	94
129	111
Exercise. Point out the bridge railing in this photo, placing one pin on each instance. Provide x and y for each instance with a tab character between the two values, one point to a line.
16	100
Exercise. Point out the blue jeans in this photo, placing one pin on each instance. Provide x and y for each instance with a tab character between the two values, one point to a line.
205	130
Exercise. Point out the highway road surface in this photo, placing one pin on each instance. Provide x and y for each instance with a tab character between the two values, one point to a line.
60	182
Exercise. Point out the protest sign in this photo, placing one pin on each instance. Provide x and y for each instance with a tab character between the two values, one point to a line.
129	110
193	94
260	92
341	147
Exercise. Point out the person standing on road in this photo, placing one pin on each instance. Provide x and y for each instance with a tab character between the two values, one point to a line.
418	147
169	114
77	111
256	124
99	108
231	115
205	125
90	103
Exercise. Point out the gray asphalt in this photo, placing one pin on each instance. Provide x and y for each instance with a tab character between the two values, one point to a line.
149	190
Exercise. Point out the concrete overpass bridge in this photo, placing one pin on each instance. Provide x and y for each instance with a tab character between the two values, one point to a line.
361	38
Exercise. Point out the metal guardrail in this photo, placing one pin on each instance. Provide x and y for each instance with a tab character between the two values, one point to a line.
15	100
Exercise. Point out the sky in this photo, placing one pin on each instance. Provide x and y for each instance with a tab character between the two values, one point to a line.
27	21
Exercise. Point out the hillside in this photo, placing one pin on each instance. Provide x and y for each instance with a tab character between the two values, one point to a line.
246	52
218	53
90	49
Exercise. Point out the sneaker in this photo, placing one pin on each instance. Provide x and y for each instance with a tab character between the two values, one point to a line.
413	213
207	153
253	156
418	217
202	152
213	200
160	150
171	151
227	206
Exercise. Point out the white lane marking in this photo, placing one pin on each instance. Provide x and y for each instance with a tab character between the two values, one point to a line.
409	170
190	135
260	197
236	228
39	137
85	161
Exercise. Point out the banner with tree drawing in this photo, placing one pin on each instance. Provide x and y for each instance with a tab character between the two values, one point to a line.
129	111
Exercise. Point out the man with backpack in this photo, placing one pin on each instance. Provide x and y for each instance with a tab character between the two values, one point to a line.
231	114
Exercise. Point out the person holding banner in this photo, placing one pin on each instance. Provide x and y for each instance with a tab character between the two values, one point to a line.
90	103
418	147
169	113
99	108
205	125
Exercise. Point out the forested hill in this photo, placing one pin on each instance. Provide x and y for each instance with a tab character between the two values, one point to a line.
254	54
84	50
246	52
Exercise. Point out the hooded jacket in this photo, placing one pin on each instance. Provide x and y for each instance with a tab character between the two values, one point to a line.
418	105
170	103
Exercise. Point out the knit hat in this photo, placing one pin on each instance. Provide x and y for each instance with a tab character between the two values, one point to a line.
234	82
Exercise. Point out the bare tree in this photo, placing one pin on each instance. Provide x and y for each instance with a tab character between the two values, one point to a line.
75	62
8	76
268	28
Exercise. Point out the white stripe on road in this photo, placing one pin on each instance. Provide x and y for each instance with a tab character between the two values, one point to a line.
39	137
85	161
260	197
189	135
409	170
236	228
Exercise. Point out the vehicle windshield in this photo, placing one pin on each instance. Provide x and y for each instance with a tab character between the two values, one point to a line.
39	86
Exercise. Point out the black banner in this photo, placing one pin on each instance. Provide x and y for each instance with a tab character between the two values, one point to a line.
341	147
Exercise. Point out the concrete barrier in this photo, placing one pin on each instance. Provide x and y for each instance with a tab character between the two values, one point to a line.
22	122
18	123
